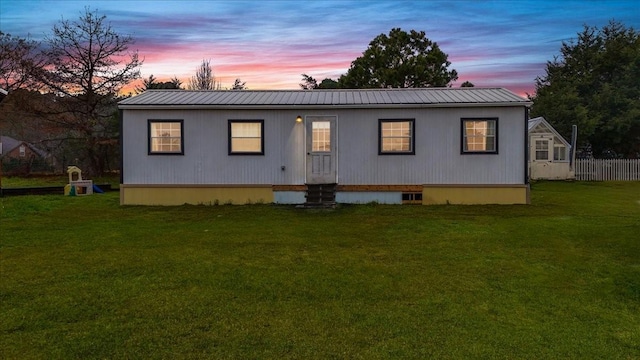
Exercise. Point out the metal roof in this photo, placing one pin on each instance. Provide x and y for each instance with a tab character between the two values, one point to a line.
337	98
533	123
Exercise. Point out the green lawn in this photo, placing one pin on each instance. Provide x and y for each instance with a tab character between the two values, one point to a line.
82	277
55	180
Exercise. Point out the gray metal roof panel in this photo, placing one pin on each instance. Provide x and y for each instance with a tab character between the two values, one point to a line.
337	98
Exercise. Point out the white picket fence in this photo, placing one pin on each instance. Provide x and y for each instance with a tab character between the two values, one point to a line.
607	169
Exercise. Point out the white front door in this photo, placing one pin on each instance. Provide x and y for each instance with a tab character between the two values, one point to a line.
321	149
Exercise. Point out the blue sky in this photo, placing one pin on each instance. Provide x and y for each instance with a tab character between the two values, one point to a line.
269	44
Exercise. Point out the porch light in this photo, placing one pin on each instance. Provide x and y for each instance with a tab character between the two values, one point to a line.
299	119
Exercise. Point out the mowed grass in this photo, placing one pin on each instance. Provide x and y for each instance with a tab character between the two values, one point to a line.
82	277
55	180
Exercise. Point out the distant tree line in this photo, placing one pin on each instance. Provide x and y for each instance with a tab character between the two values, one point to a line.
595	84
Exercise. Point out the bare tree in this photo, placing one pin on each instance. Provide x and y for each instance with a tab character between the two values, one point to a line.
88	64
87	57
19	61
204	79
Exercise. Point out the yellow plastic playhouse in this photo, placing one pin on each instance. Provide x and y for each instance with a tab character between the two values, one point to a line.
76	185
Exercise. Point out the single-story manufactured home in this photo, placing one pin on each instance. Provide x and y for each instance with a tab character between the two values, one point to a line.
549	152
391	146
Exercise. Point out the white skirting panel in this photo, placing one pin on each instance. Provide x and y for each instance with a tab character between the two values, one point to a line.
288	197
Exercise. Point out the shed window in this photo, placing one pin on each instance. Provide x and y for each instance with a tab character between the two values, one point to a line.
23	151
559	152
246	137
166	137
542	150
479	136
396	136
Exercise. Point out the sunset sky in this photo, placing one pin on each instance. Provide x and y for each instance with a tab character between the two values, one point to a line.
269	44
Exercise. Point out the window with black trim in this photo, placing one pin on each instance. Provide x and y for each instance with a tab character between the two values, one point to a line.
396	137
479	136
166	137
246	137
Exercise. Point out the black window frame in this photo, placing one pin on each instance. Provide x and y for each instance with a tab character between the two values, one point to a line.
229	137
478	152
150	150
412	141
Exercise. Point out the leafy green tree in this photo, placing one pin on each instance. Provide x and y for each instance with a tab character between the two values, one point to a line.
88	63
467	84
328	84
594	85
400	60
309	83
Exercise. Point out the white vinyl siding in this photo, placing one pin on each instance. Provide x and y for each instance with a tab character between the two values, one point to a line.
437	148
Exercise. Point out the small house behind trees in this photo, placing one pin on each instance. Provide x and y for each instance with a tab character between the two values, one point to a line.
21	157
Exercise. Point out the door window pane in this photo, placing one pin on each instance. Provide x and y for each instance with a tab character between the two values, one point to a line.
321	136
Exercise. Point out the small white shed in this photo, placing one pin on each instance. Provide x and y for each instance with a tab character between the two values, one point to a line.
549	152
